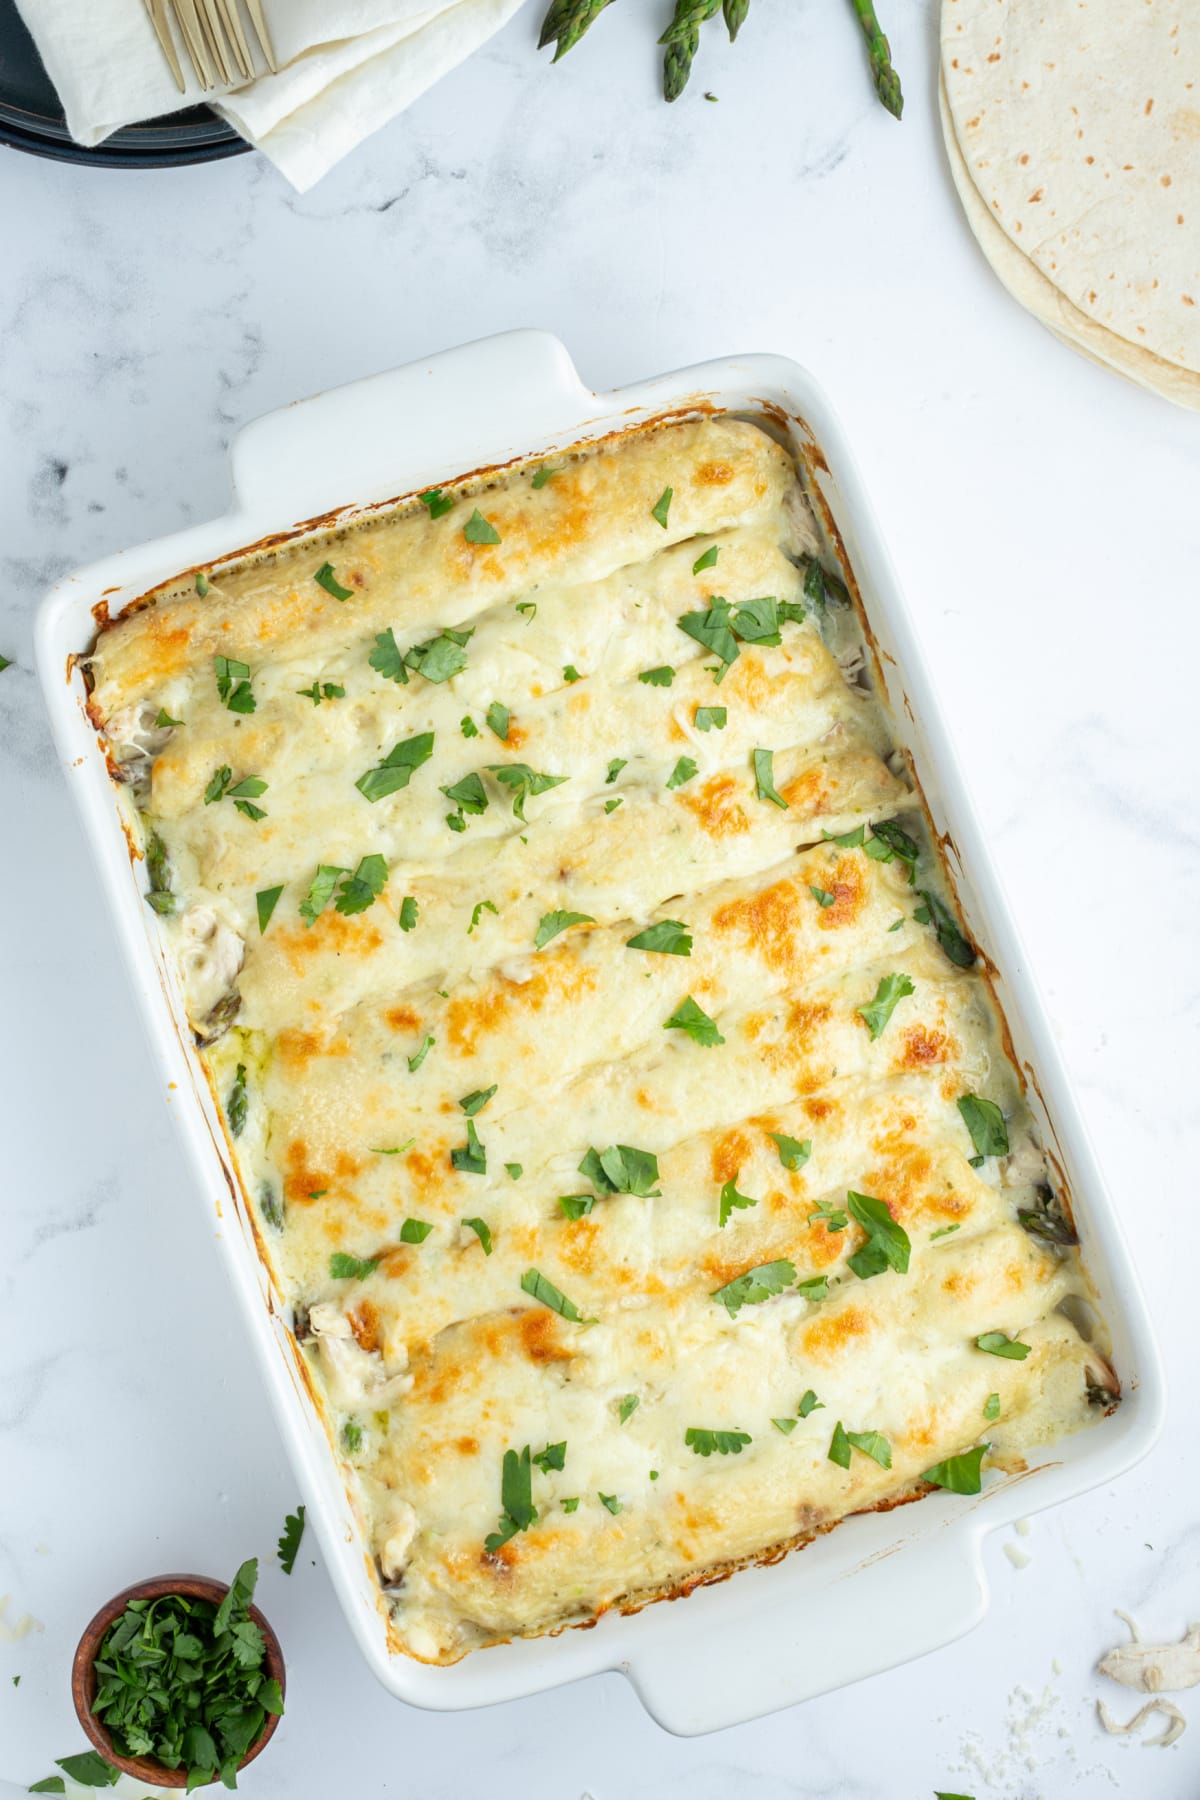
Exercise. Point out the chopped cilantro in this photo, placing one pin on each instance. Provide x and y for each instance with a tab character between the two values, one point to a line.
731	1200
662	507
267	899
695	1021
397	768
891	990
479	530
534	1283
726	1443
551	923
482	1232
670	937
663	676
793	1152
326	578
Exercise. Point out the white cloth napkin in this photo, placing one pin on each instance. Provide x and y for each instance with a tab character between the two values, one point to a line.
345	68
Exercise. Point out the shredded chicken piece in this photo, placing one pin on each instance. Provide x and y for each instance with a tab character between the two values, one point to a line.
1154	1668
354	1377
137	738
397	1531
1176	1728
210	956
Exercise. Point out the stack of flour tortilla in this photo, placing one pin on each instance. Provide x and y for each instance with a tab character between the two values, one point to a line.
1073	132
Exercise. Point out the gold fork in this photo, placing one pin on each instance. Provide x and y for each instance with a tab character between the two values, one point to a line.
214	38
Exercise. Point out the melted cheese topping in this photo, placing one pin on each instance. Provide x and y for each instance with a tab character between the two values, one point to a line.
398	1057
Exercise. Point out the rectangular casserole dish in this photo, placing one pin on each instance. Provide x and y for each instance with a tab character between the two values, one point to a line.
483	407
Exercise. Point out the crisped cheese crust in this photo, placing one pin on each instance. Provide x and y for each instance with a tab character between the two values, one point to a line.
356	1036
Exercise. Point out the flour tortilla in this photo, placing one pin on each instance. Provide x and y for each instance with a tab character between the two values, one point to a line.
1079	123
1047	304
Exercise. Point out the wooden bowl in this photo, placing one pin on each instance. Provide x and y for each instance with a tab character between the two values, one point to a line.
84	1683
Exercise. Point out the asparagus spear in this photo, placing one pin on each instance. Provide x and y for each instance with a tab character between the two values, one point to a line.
682	40
735	16
566	22
887	82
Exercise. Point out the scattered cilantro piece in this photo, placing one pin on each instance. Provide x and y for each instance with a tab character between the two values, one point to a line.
479	530
793	1152
468	727
764	778
943	1231
498	717
524	783
267	899
711	630
711	718
985	1122
477	912
695	1021
482	1232
610	1500
326	578
822	896
343	1267
887	1245
553	1457
872	1444
614	769
409	913
544	474
670	937
848	840
393	1149
474	1102
552	923
470	1158
387	658
164	721
629	1406
755	1286
436	502
89	1769
815	1288
570	1504
51	1784
514	1171
809	1404
289	1542
891	990
530	607
202	583
991	1407
442	656
732	1201
787	1426
415	1231
574	1206
622	1170
352	1436
683	771
469	794
534	1283
233	684
414	1062
663	676
726	1443
320	891
830	1214
662	507
997	1343
517	1511
708	560
571	674
397	768
322	690
839	1447
610	806
959	1474
953	943
363	888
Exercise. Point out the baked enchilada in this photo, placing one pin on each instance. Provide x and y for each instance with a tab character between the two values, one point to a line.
626	1116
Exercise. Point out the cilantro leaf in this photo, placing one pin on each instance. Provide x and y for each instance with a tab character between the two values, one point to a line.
874	1445
787	1426
553	1457
551	923
764	778
534	1283
409	913
343	1267
662	507
437	503
822	896
953	943
164	720
693	1019
703	1442
544	474
708	560
611	1501
670	937
839	1447
991	1407
468	727
809	1404
267	899
888	1244
518	1512
469	794
891	990
442	656
985	1122
574	1206
397	768
233	684
793	1152
711	718
414	1062
997	1343
731	1200
89	1769
524	783
498	718
683	771
387	658
848	840
614	769
474	1102
711	630
415	1231
815	1288
663	676
326	578
571	674
628	1407
320	891
959	1474
830	1214
470	1158
363	888
622	1170
482	1232
755	1286
757	621
479	530
477	912
514	1171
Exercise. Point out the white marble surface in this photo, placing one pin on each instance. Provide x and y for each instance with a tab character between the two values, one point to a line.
1044	519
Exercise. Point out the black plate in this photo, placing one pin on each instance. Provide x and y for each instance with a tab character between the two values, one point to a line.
32	119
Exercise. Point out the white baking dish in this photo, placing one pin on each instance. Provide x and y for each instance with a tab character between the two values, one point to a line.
747	1646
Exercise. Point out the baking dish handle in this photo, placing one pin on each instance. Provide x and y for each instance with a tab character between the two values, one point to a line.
776	1653
381	437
